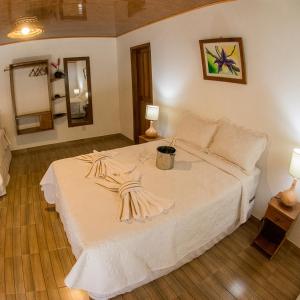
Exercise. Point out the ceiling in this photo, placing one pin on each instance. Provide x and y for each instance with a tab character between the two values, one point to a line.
86	18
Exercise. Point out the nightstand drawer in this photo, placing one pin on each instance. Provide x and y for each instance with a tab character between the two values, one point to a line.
278	218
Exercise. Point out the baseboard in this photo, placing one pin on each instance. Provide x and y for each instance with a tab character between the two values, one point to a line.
70	143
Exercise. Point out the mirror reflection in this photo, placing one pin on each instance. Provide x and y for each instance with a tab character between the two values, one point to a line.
78	91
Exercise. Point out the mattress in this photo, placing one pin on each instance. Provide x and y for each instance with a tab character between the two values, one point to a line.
5	159
212	198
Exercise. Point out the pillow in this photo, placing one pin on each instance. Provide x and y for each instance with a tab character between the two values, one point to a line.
238	145
195	130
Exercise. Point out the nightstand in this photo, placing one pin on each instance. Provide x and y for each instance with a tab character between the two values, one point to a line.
144	139
275	225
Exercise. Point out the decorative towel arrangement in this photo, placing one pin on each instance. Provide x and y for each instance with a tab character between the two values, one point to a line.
98	162
136	202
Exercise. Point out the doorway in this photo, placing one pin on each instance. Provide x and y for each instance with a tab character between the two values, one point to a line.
141	87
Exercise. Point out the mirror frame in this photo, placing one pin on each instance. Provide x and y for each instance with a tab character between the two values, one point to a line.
89	120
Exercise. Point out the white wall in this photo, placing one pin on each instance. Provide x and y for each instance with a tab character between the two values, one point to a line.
270	102
103	60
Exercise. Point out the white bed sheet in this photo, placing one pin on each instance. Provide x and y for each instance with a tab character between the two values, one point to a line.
5	159
211	199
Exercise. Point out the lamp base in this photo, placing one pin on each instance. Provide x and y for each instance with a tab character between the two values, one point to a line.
288	197
151	131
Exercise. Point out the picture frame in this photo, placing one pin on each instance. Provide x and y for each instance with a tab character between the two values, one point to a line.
223	60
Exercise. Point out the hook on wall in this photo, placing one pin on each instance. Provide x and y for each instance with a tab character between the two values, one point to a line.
38	71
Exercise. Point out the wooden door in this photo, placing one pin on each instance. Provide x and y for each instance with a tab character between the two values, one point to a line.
141	87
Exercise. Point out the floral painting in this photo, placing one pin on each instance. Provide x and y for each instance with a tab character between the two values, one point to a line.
223	59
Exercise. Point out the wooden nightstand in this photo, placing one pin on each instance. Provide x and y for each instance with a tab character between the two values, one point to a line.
275	225
144	139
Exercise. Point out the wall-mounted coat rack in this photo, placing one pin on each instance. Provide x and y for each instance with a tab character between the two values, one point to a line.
39	71
31	96
36	71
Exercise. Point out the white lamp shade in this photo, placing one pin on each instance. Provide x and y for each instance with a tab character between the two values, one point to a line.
295	164
76	92
152	112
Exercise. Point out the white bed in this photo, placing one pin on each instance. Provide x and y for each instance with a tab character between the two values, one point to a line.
212	198
5	159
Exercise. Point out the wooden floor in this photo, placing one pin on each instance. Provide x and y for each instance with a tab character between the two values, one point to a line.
35	255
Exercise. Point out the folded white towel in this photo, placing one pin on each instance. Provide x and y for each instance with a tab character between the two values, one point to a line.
136	202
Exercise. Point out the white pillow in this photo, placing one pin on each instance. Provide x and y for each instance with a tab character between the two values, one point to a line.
238	145
195	130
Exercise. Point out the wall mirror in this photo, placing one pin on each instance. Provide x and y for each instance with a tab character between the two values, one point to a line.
78	91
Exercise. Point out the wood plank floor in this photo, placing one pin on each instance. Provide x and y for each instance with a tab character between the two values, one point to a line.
35	255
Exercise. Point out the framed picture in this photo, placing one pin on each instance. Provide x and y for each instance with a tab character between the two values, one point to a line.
223	60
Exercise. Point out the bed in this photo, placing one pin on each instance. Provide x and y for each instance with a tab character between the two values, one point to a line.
212	198
5	159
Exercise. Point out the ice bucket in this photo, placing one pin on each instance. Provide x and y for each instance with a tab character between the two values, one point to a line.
165	157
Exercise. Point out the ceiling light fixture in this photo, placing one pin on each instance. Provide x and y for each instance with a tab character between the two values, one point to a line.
26	27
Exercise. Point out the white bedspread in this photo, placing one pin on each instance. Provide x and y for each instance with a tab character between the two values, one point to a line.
5	158
211	198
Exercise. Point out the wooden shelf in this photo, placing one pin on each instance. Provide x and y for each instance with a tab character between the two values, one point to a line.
57	98
32	130
59	115
44	118
28	130
265	245
34	114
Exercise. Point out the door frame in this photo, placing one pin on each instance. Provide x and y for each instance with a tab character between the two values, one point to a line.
136	112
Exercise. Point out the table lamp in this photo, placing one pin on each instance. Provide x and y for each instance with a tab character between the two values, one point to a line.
152	112
288	197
